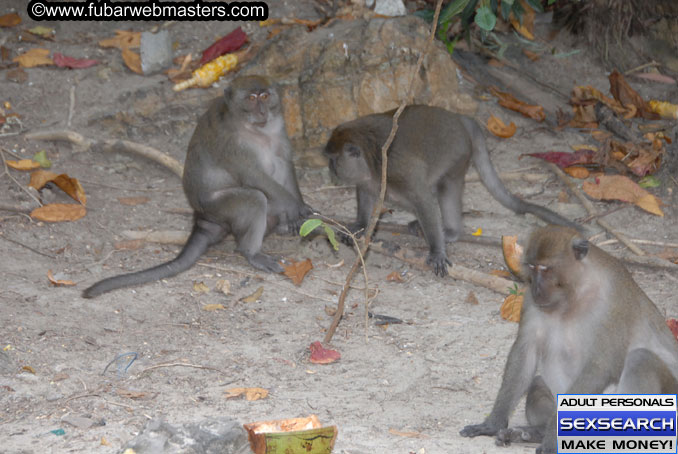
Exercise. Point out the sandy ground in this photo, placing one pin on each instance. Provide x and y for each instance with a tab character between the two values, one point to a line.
427	377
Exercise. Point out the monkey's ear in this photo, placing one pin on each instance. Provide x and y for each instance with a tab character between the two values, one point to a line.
580	247
352	150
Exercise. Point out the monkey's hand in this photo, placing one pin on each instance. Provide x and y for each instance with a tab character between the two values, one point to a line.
485	428
356	228
438	261
290	222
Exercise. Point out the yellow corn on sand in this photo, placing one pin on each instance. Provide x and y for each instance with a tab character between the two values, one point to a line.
209	73
664	109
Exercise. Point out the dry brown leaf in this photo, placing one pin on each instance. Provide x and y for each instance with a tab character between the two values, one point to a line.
496	63
224	286
249	393
509	101
132	60
512	252
407	434
628	97
212	307
28	369
510	308
254	297
471	298
69	185
34	57
40	178
200	287
577	172
123	39
10	20
619	187
672	323
322	355
501	273
58	282
59	212
133	201
601	136
297	270
23	164
499	128
394	277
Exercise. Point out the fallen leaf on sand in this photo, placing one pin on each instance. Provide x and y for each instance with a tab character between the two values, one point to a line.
673	326
132	60
69	185
619	187
394	277
499	128
510	308
58	282
249	393
296	271
321	355
23	164
10	20
59	212
34	57
212	307
64	61
254	297
122	40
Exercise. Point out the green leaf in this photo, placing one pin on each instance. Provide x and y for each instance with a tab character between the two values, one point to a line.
536	5
452	9
309	226
41	158
649	181
506	9
331	236
485	18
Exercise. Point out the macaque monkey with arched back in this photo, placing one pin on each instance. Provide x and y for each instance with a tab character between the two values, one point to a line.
585	328
238	178
427	162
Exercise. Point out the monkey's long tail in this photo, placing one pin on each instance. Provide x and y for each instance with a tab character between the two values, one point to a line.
202	236
489	177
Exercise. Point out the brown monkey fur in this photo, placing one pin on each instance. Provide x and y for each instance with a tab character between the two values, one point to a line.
427	162
238	178
585	328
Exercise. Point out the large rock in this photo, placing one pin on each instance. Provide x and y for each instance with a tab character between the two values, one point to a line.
353	68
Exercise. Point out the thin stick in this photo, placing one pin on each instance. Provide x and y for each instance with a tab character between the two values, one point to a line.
194	366
111	145
495	283
14	208
637	241
384	161
27	247
592	211
71	107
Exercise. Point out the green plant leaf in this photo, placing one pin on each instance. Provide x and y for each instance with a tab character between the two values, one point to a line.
649	181
506	9
41	158
331	236
309	226
536	5
485	18
452	9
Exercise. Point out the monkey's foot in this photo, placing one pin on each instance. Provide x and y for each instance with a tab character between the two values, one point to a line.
474	430
355	229
265	262
523	434
438	261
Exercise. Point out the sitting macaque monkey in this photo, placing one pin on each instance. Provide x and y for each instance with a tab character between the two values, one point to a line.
585	328
427	162
238	178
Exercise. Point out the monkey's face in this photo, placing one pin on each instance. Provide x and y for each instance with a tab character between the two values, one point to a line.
347	162
253	99
546	285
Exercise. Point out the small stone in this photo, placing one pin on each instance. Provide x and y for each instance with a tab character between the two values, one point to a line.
156	52
78	421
